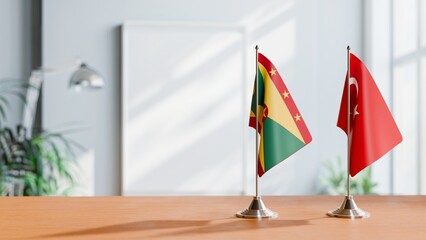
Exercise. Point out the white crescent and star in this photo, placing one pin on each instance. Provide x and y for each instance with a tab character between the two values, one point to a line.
353	81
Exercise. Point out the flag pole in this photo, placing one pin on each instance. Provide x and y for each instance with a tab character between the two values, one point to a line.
348	209
257	122
257	208
348	89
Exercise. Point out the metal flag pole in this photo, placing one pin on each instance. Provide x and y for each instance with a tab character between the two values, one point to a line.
257	121
257	208
348	122
348	209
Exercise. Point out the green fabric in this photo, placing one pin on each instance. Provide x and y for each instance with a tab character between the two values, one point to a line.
278	143
261	93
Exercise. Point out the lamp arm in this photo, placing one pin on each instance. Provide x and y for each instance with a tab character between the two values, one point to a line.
45	71
31	101
33	93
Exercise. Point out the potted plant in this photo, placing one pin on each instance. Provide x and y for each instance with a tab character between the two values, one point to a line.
334	180
41	164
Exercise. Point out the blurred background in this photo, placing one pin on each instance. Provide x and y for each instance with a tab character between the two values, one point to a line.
172	116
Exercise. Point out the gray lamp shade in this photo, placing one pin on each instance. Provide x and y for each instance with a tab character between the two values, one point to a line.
86	77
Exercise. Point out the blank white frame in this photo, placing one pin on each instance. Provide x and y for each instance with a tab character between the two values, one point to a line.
135	25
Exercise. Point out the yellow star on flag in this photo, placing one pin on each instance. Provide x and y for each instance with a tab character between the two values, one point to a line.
273	72
286	94
297	117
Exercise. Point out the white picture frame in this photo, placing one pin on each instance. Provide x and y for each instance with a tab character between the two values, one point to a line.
168	149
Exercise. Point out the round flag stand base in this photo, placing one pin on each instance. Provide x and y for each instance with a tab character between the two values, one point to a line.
349	209
257	209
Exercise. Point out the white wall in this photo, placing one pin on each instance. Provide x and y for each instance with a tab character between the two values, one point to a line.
340	23
306	40
395	56
15	47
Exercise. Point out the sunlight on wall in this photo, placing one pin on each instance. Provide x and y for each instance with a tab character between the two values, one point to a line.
406	115
204	52
188	93
86	174
283	36
265	13
405	27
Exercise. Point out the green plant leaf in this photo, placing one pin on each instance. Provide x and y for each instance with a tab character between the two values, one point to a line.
46	160
335	177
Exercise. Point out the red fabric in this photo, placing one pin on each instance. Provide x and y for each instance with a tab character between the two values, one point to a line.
373	130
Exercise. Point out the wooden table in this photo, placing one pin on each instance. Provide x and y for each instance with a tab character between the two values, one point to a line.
301	217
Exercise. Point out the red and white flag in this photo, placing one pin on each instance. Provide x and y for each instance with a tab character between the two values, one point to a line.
373	130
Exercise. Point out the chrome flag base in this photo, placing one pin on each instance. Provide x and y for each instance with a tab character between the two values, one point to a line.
257	209
349	209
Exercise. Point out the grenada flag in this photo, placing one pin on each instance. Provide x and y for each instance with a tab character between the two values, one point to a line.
281	127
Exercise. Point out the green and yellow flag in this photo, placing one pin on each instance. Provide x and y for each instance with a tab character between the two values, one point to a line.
281	127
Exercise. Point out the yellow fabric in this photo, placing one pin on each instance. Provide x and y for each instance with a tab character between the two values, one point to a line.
277	109
261	155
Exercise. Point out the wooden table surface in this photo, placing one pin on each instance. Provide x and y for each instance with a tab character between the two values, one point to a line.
300	217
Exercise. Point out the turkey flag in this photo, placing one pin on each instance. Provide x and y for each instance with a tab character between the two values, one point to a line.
373	130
